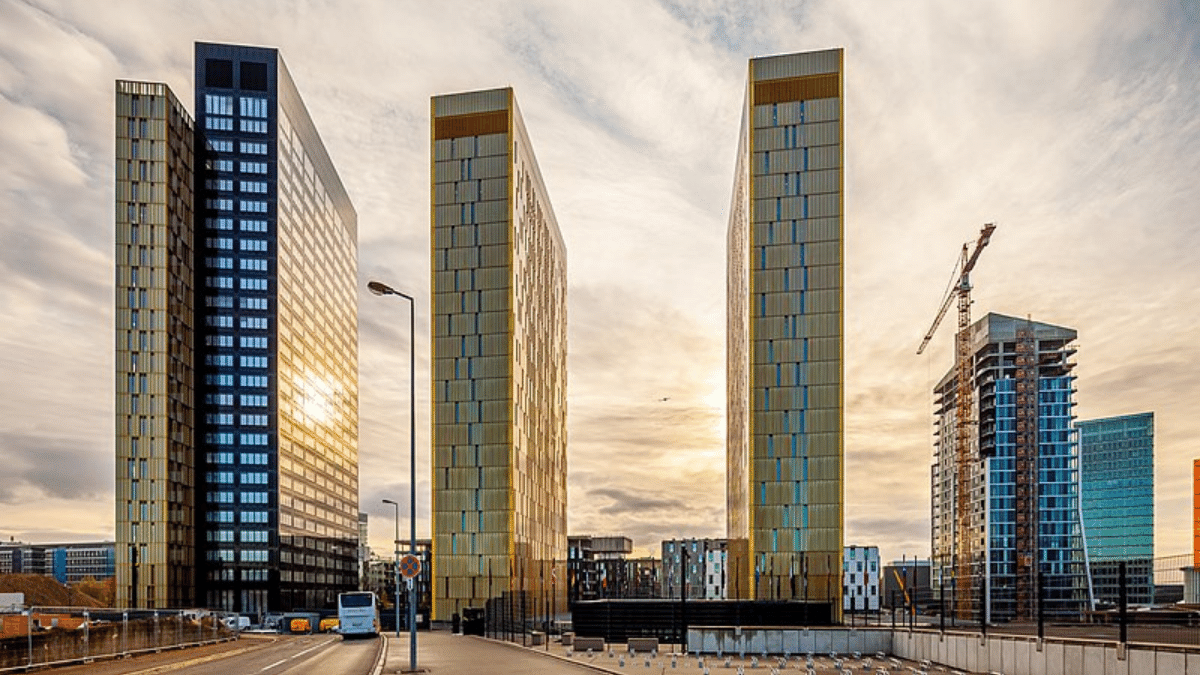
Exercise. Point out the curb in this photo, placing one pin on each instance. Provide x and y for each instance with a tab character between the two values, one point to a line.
547	653
381	658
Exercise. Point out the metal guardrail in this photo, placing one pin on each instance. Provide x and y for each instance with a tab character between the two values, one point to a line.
46	636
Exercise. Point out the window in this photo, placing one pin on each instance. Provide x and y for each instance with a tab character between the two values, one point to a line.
222	301
220	516
254	536
219	457
220	497
219	418
254	303
253	206
219	282
254	226
251	284
253	148
221	145
254	516
218	399
257	478
255	186
219	321
253	244
219	223
253	342
253	126
219	379
253	401
253	107
218	105
254	381
256	555
223	243
220	204
254	498
259	322
254	420
218	359
221	555
220	535
253	167
219	184
253	264
219	438
253	75
254	439
219	263
221	165
218	123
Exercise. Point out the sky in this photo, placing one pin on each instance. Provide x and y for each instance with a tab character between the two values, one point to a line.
1074	125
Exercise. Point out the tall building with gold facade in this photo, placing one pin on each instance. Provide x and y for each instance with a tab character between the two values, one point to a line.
155	371
785	334
499	363
237	346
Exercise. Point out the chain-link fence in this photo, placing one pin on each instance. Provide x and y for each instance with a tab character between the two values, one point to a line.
55	635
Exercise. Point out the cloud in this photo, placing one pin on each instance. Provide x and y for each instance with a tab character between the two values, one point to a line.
1075	127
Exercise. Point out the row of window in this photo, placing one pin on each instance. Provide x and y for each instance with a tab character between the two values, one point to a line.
243	516
223	263
226	555
215	123
226	438
245	225
226	419
226	184
227	477
226	321
245	147
253	458
244	283
245	341
227	497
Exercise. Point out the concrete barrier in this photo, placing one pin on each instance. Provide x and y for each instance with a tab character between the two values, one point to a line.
584	643
642	645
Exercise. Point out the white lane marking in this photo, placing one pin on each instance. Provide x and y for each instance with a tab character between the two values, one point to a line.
272	665
297	654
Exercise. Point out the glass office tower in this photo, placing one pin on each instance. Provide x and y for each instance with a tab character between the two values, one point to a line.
278	343
499	364
1024	488
155	374
785	334
1116	466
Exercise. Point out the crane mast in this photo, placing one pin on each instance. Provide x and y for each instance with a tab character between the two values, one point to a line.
963	546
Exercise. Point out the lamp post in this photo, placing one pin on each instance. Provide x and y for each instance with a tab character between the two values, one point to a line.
396	563
383	289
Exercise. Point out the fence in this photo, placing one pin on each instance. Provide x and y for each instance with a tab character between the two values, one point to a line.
45	636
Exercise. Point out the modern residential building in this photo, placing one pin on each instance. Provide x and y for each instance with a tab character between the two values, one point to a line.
237	339
1116	470
499	362
588	575
1023	499
706	569
860	571
67	563
785	333
156	469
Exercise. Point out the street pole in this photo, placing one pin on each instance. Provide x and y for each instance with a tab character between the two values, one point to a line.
383	289
396	564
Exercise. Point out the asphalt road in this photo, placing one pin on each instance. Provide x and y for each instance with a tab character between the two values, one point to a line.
275	655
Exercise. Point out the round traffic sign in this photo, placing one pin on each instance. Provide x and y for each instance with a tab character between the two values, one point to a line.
410	566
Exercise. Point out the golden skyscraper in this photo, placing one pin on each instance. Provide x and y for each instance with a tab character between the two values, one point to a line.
155	373
785	334
499	363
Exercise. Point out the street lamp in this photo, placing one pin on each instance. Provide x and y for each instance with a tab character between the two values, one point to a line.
396	563
383	289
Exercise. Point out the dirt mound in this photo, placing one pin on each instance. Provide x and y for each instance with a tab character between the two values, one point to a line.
41	591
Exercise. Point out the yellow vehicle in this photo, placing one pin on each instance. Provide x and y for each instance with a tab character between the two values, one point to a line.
329	625
300	626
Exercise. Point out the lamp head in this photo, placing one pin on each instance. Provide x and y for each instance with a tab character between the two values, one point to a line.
379	288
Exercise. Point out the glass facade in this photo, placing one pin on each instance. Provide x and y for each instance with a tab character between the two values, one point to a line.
1003	473
499	362
1117	471
277	344
155	373
785	334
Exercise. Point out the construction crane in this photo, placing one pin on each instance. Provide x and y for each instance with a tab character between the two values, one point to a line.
963	362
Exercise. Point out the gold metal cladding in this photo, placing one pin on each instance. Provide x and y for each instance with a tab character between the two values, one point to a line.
803	88
474	124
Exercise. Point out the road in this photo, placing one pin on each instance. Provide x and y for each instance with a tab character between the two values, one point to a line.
274	655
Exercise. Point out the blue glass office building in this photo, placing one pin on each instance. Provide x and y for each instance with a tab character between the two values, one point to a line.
277	363
1023	494
1117	470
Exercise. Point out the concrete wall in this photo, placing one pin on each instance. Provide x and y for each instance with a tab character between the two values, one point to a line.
1011	655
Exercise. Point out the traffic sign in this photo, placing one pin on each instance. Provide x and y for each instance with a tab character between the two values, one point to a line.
410	566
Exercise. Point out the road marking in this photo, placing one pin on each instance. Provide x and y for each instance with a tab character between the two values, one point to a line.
272	665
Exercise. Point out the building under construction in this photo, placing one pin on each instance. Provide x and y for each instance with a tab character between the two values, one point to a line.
1017	510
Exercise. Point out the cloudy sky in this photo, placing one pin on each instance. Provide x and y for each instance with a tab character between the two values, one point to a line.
1074	125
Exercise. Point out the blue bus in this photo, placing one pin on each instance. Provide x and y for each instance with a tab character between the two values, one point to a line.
358	615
